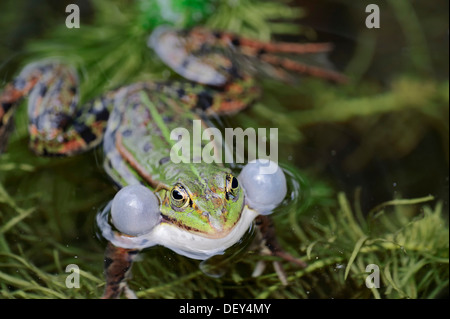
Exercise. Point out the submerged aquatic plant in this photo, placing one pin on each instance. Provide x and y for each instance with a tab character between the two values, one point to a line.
406	239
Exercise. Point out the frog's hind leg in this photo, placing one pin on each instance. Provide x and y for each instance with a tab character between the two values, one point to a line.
118	262
217	58
57	126
270	246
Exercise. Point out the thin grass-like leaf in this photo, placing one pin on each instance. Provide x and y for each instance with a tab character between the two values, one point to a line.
355	252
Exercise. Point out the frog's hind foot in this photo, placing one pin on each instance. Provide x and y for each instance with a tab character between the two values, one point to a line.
269	52
281	65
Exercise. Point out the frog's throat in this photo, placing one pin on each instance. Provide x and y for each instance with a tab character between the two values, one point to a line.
179	240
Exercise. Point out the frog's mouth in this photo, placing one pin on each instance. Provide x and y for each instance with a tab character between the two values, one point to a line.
194	244
213	227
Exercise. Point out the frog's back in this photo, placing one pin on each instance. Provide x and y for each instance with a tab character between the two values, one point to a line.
138	141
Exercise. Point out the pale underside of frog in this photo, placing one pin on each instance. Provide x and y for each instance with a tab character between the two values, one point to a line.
197	210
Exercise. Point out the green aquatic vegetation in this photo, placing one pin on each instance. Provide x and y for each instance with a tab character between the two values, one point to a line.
406	239
390	123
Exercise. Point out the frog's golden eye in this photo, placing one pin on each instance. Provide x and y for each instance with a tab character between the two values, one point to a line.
179	196
232	187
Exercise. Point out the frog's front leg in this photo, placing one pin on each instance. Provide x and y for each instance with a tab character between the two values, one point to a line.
118	262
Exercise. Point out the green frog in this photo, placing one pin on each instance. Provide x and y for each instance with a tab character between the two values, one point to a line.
196	209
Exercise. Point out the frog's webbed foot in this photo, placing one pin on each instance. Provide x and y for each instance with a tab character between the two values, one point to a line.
270	246
118	262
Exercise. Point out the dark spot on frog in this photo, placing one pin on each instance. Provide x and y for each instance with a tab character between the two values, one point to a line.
234	72
63	121
185	63
236	42
108	261
147	147
181	92
204	100
261	51
103	115
167	119
217	34
164	160
85	132
127	133
6	106
73	89
42	89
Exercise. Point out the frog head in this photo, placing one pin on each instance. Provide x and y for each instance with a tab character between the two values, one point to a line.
203	200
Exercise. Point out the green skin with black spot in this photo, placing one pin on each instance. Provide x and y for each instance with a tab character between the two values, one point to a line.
213	206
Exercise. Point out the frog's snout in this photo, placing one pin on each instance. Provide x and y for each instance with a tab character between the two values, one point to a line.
215	223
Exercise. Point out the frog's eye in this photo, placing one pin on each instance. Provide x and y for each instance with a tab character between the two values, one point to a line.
232	187
179	196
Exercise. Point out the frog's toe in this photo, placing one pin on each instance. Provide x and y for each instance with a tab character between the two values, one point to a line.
261	265
277	265
289	258
129	293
